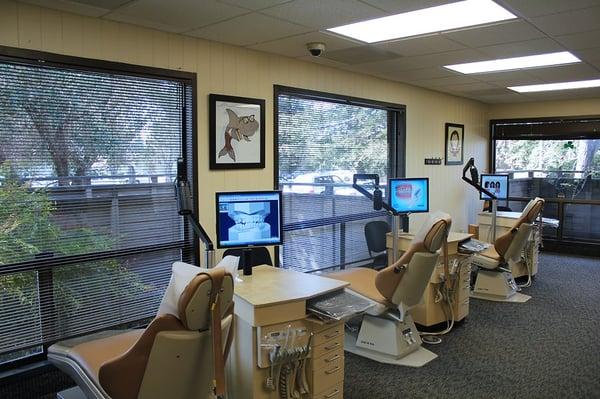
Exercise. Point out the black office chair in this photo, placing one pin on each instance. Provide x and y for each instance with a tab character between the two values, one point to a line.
375	234
260	255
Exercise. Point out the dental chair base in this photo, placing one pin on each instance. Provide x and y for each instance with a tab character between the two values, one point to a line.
388	341
496	285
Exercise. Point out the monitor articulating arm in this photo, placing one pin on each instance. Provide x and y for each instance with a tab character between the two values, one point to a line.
185	207
376	197
474	180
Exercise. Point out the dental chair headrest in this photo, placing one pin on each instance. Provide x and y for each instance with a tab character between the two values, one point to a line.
430	238
530	213
187	296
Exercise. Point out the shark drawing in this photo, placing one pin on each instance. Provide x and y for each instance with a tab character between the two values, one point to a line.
238	128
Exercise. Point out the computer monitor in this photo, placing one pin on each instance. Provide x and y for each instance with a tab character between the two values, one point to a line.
409	195
248	218
496	184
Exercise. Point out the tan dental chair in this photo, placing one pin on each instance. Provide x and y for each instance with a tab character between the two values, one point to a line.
494	279
171	358
387	333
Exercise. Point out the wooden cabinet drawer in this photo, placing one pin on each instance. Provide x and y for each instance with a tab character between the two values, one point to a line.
334	392
333	344
326	374
328	334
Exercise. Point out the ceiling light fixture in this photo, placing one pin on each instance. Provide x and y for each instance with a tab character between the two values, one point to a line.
510	64
580	84
435	19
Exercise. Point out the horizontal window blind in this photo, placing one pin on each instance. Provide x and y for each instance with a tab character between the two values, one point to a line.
88	219
321	144
546	129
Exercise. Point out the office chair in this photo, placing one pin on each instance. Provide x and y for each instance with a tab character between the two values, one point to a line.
171	358
494	280
375	235
260	255
387	333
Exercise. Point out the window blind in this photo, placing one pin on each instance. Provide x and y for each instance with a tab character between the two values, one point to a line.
546	129
88	219
321	144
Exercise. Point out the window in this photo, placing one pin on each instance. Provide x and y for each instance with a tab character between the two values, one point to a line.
322	141
557	159
88	220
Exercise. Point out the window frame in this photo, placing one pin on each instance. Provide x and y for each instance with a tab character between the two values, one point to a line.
396	134
189	84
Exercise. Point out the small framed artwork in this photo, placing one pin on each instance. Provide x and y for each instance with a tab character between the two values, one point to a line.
455	135
237	132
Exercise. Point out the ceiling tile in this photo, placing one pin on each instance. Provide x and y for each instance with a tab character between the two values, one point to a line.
591	56
421	45
415	75
324	14
536	8
518	49
248	29
175	15
474	87
295	46
506	32
254	4
446	81
323	61
565	73
69	6
580	41
360	55
509	78
397	7
569	22
565	94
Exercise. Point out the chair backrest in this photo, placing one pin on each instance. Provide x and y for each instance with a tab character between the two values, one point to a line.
174	356
428	240
375	234
260	255
530	213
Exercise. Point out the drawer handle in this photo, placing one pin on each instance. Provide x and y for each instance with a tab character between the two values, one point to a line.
331	359
330	347
332	394
333	370
334	334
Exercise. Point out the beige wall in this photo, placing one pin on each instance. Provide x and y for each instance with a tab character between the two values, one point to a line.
236	71
549	108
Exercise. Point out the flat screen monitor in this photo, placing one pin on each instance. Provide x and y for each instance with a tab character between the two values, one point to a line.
496	184
409	195
248	218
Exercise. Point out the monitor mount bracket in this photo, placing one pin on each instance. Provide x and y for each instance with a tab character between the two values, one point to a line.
185	207
473	180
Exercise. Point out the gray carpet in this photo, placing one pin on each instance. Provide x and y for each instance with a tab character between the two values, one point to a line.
546	348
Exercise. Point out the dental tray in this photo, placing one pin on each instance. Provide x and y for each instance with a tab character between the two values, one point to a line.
339	305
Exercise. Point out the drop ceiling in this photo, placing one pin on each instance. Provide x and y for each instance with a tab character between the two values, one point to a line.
284	27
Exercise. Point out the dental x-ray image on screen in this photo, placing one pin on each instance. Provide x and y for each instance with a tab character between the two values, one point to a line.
248	218
495	184
409	195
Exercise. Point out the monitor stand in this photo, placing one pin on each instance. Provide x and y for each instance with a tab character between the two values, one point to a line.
246	261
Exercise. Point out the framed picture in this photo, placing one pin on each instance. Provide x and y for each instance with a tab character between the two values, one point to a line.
455	136
237	132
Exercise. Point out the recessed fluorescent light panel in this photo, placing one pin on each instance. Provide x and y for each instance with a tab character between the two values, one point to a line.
580	84
509	64
435	19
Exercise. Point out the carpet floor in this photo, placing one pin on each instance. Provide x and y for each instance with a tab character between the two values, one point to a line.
545	348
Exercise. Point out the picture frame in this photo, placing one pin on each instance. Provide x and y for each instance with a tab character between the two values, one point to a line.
454	144
236	132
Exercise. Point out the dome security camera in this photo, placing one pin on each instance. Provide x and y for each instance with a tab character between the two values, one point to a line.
315	49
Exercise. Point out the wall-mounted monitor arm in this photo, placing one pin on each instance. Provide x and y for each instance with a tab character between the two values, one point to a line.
376	197
474	178
185	207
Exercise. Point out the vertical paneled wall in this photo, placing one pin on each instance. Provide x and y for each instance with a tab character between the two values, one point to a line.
236	71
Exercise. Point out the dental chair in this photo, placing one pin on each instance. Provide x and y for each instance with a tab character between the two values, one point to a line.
494	280
386	333
180	355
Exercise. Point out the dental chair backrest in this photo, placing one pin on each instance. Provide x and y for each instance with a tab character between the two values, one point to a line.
174	356
407	286
510	244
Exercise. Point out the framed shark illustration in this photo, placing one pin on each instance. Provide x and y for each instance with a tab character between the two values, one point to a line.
237	132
